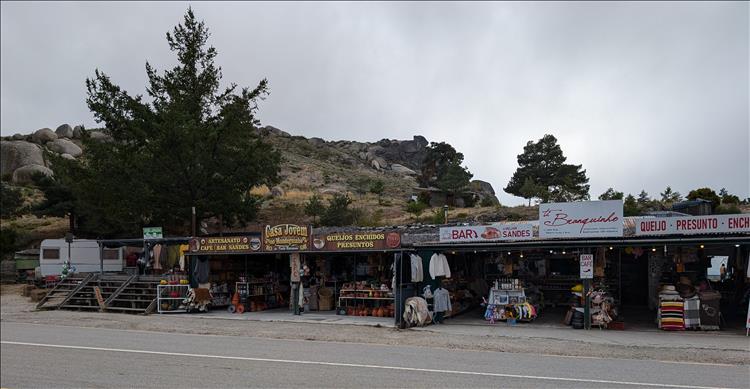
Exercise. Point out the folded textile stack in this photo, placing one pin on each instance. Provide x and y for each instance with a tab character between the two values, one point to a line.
692	307
671	316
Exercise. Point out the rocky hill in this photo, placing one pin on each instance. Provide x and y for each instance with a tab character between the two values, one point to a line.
310	166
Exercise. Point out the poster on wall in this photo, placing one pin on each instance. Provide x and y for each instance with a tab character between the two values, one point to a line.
587	266
286	237
492	233
225	244
357	241
585	219
690	225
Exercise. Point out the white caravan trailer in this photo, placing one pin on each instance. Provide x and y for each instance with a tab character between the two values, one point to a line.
84	257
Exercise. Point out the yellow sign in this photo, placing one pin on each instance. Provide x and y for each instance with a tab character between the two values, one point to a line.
286	237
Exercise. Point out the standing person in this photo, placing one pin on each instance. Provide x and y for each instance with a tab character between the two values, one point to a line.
723	272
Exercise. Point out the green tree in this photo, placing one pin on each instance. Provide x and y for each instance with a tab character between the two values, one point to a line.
643	198
437	157
8	243
705	194
544	163
361	186
11	201
611	194
441	159
338	212
59	200
669	196
530	190
728	198
314	207
630	206
377	187
415	208
454	179
191	145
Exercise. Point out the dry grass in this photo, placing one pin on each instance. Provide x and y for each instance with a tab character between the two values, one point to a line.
261	191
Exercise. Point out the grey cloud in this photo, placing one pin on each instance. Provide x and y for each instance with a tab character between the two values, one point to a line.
644	95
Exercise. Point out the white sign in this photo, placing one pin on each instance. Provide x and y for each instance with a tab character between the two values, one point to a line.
587	266
495	232
693	225
586	219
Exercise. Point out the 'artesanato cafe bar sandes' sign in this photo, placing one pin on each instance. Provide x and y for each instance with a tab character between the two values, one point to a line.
692	225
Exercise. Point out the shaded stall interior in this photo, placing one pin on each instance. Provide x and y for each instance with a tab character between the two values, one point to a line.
333	283
631	271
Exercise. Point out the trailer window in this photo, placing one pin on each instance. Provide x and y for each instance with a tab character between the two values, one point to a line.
51	254
110	254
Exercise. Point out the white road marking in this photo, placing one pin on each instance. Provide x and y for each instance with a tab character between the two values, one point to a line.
383	344
365	366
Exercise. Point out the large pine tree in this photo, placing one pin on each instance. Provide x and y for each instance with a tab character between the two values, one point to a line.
188	144
543	163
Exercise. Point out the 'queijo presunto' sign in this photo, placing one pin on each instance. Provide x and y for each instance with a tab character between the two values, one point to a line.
357	241
225	244
286	237
690	225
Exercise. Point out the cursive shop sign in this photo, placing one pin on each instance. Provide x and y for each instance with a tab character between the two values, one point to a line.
585	219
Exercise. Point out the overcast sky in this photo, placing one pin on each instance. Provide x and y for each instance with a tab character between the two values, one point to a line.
644	95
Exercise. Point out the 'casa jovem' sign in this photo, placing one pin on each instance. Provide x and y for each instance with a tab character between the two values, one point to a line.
357	241
286	237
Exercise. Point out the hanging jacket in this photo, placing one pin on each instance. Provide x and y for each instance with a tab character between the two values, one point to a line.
416	268
442	300
439	266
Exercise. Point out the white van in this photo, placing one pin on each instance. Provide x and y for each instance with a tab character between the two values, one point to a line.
84	257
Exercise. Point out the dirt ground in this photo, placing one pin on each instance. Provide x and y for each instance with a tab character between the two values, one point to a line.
16	308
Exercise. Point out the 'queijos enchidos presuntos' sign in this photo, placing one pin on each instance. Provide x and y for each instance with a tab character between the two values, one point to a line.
357	241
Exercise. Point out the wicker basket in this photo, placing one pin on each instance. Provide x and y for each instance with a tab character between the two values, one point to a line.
325	299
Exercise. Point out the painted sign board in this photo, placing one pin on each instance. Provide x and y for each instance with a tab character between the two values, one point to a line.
286	237
225	244
692	225
584	219
349	241
492	233
587	266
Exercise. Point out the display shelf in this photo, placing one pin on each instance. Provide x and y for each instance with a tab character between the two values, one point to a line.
171	301
365	298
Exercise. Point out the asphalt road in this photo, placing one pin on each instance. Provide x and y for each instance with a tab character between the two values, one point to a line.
54	356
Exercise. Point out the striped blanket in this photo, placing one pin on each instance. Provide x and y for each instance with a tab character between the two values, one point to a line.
671	316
